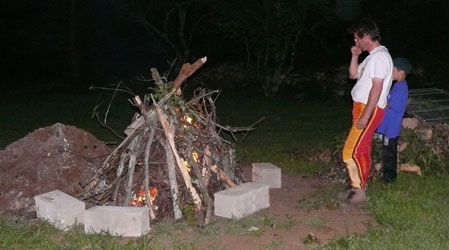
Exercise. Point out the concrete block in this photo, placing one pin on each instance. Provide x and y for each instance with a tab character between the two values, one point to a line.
266	173
59	209
124	221
242	200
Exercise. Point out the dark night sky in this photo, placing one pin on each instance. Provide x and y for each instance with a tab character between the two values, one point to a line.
36	49
36	40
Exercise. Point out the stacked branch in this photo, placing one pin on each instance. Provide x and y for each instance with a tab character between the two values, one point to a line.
173	150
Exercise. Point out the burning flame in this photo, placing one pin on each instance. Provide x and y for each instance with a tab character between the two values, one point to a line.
196	158
186	164
140	199
187	119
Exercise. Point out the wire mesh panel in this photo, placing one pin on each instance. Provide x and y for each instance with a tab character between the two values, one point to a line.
429	105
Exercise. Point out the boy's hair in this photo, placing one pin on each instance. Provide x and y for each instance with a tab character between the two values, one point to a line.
401	63
366	27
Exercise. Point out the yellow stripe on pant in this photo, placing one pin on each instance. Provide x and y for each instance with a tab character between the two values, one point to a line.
357	149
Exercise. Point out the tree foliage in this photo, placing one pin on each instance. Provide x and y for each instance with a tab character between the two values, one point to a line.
173	24
271	32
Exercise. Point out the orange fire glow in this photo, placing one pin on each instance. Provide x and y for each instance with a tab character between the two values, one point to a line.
190	121
140	199
187	119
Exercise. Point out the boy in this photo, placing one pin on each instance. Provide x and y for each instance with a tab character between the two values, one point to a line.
390	128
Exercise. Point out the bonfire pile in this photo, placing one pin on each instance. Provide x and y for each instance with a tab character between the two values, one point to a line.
173	155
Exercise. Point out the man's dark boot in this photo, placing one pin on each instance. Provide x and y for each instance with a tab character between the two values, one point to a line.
357	197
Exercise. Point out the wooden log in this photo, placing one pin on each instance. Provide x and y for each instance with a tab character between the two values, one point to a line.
172	180
131	167
222	176
402	146
136	124
203	188
108	164
425	134
169	133
187	70
197	170
147	171
411	123
120	168
228	162
410	168
207	163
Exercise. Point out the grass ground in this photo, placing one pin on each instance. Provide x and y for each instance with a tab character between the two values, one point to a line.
412	213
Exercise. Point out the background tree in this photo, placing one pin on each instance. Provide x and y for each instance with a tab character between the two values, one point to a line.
172	24
271	31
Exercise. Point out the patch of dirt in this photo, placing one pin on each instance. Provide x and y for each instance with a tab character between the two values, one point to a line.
294	225
56	157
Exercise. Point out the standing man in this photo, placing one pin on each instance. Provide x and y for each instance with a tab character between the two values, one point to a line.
369	95
390	128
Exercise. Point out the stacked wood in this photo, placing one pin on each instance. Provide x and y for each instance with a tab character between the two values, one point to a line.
410	123
410	168
172	148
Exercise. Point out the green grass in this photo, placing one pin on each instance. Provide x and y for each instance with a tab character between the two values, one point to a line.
292	129
412	213
41	235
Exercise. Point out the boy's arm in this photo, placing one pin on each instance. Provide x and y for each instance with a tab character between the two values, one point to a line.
398	100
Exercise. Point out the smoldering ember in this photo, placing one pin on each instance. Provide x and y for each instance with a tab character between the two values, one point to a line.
172	157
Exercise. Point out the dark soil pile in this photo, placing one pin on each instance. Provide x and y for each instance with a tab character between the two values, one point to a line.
56	157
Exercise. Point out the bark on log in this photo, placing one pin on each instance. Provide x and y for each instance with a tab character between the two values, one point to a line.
222	176
109	163
169	133
204	191
187	70
131	167
147	170
172	180
410	168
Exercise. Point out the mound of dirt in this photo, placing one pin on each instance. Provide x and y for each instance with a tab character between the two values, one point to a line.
56	157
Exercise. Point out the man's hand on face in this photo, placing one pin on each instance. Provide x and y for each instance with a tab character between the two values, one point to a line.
356	51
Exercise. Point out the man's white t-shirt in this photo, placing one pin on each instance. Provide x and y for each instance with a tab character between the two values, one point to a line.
377	64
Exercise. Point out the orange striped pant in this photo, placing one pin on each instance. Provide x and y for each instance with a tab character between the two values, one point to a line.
357	149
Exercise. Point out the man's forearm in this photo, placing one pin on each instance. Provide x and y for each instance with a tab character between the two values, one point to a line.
373	98
353	67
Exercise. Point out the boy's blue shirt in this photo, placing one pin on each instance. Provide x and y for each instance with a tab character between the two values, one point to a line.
397	101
